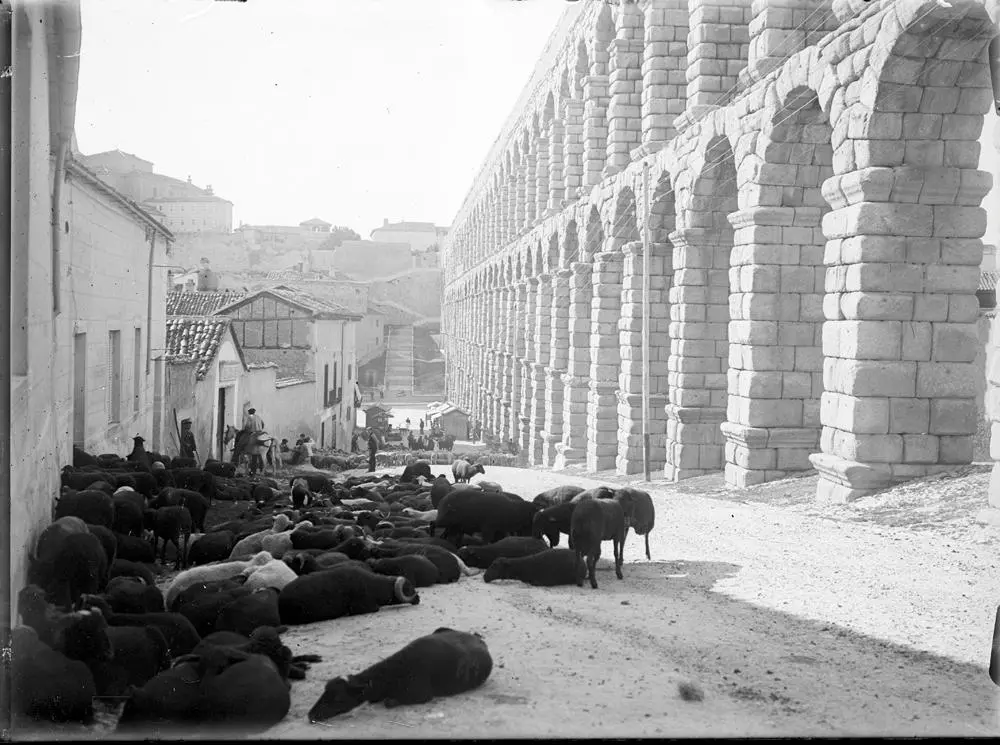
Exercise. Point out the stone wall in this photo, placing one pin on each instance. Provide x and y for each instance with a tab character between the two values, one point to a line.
805	176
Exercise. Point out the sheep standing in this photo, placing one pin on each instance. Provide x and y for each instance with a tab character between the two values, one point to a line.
463	471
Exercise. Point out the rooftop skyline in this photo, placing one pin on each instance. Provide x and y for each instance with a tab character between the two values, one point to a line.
346	111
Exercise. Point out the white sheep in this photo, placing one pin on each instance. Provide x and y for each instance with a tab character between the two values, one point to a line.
490	486
274	574
253	543
278	544
428	516
212	573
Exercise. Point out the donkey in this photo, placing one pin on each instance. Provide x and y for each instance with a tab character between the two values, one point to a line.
256	444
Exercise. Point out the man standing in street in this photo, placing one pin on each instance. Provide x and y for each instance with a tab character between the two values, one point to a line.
188	447
252	423
372	449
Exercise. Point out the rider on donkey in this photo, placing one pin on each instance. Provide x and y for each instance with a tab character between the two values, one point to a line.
253	426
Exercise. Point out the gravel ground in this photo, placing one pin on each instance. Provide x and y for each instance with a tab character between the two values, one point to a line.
792	618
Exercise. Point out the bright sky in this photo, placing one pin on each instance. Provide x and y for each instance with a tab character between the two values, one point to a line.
347	110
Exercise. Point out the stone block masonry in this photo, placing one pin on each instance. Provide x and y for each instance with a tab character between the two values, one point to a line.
814	223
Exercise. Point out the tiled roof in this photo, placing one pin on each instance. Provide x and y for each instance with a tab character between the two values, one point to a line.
334	293
988	280
180	303
285	382
309	301
195	340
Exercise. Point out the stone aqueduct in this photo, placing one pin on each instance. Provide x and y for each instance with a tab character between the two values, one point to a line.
805	172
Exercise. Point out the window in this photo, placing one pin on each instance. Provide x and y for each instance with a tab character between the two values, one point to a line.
326	385
115	376
137	371
349	372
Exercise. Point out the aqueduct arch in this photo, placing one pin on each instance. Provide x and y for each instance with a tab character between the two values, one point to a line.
805	174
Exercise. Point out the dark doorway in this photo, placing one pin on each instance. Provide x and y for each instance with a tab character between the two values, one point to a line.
220	436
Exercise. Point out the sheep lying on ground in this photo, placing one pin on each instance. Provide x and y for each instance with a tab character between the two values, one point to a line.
211	573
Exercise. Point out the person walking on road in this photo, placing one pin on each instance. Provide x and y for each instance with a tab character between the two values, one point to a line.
372	449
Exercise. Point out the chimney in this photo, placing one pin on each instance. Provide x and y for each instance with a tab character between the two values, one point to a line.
208	190
385	222
189	178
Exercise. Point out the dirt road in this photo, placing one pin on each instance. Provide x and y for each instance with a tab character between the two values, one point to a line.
790	624
791	618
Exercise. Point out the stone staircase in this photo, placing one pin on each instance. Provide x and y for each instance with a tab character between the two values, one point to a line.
399	362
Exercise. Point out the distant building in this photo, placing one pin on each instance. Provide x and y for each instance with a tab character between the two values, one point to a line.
180	205
420	236
313	343
315	225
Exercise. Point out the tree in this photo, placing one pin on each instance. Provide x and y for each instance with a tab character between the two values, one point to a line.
339	234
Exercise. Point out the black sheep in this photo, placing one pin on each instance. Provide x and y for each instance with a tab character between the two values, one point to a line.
197	505
215	546
643	513
262	495
171	524
164	478
139	456
197	480
302	562
264	640
245	614
219	468
126	568
80	567
412	471
108	541
142	482
171	697
434	541
558	495
330	538
47	685
552	521
594	521
302	495
179	632
82	458
136	549
127	514
346	591
445	561
137	654
443	663
244	689
177	462
493	515
548	568
420	570
81	480
512	547
133	595
91	505
203	609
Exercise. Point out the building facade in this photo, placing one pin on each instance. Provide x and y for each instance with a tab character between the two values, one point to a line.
313	344
87	285
804	176
181	206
